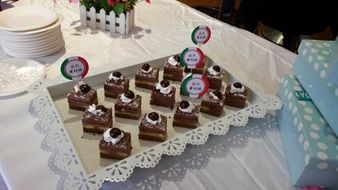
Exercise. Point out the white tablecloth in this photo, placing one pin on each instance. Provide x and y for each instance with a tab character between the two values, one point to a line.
251	157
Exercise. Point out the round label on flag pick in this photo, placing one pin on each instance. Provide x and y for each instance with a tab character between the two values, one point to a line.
74	68
192	58
201	35
194	85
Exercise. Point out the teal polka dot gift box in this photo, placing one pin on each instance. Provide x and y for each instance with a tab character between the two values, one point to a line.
311	146
315	69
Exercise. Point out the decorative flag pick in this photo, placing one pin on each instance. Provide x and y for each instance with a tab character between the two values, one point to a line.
201	35
194	85
192	58
74	68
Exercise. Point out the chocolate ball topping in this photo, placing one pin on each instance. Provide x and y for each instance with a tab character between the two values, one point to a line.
102	108
117	74
177	58
184	104
165	83
218	94
85	88
153	116
115	132
216	68
237	85
145	67
129	94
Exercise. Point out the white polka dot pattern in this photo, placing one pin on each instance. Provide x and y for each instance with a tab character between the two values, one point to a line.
314	127
303	103
304	52
306	145
314	135
300	126
316	66
301	138
307	159
322	146
322	166
322	156
310	58
322	74
307	117
308	110
336	92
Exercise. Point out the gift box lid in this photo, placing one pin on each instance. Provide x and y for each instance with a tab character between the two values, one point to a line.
318	55
311	68
318	145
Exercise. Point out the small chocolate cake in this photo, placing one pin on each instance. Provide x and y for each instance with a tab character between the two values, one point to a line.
146	76
213	103
186	115
153	126
115	144
96	119
215	77
81	96
236	95
163	94
127	105
173	70
115	84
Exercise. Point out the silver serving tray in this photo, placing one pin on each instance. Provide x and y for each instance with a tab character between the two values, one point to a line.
77	154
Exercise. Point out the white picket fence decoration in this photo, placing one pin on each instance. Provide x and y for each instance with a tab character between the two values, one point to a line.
121	24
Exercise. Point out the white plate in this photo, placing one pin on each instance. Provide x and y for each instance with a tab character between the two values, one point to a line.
25	18
35	32
46	52
16	75
29	38
34	45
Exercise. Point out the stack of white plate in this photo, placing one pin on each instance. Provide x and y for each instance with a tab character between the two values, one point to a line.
30	31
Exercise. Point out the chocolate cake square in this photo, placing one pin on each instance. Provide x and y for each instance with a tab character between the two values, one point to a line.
115	144
173	70
186	115
96	119
213	103
81	96
127	105
163	94
115	84
236	95
146	76
215	77
153	126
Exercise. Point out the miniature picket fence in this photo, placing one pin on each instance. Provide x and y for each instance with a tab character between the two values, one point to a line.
121	24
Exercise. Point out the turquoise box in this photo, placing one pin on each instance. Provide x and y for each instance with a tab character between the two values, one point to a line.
312	68
311	147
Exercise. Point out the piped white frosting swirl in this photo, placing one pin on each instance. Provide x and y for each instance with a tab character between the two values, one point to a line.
77	86
213	96
188	109
111	76
108	138
163	90
149	70
152	121
233	89
172	61
92	109
125	99
212	71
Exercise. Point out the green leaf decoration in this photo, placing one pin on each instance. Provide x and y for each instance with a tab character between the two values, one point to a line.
118	8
